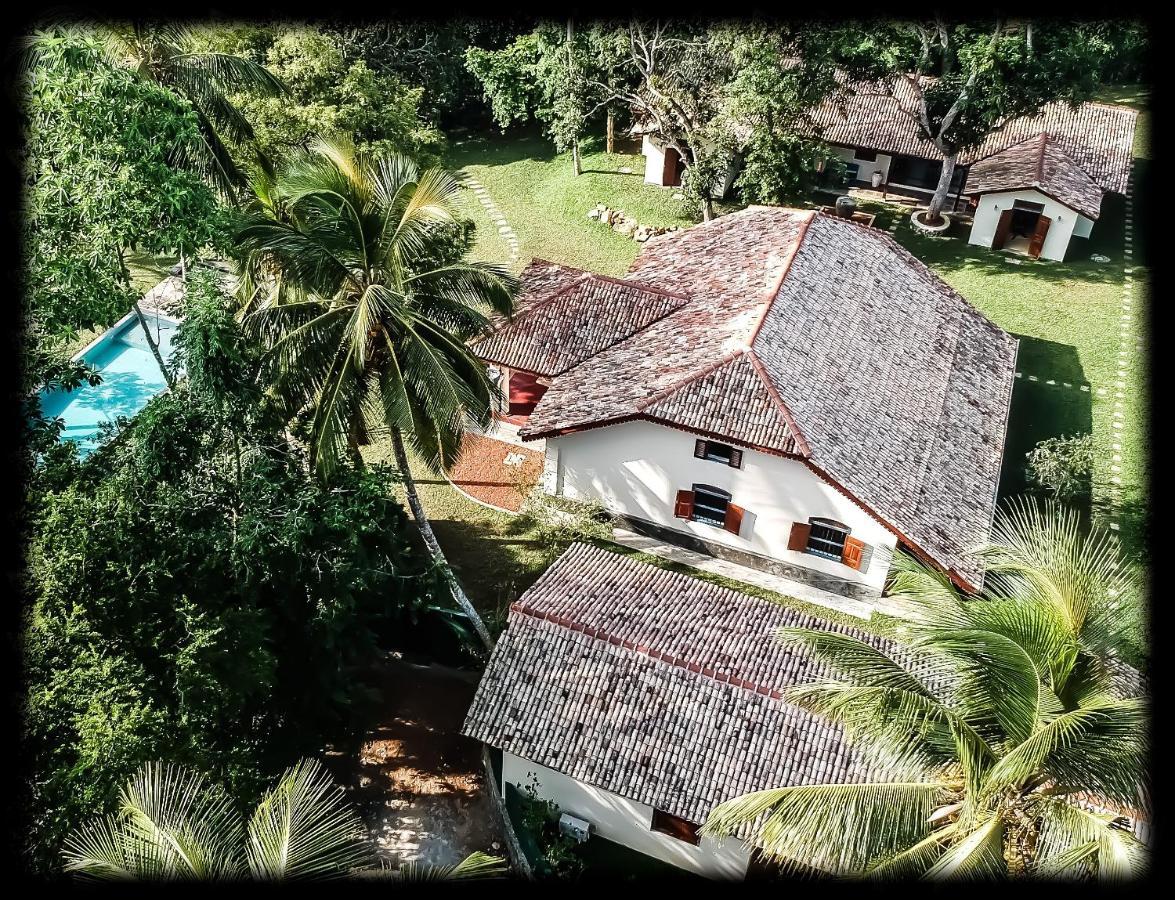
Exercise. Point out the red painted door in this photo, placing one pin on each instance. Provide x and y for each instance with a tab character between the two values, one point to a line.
525	393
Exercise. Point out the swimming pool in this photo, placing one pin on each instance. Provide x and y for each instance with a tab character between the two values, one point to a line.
130	377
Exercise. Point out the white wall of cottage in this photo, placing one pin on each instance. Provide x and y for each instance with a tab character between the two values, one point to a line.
628	822
866	167
637	468
1066	222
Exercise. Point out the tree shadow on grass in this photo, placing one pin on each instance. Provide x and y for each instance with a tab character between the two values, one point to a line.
1041	410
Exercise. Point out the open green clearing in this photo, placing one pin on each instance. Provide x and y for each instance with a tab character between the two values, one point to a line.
1066	315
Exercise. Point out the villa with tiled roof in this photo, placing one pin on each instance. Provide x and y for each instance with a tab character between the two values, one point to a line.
781	388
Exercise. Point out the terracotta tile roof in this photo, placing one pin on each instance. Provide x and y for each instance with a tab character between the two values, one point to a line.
589	314
823	339
657	687
1037	162
1098	137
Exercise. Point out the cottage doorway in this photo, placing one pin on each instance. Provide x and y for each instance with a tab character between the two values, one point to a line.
671	175
1022	229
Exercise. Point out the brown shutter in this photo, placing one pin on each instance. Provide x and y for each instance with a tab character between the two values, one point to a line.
734	518
1037	242
799	536
700	449
1001	230
736	459
683	507
851	556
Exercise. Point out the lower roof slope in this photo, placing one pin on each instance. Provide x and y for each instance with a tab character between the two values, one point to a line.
658	687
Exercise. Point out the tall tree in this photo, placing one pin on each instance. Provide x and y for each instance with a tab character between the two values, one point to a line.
167	54
379	335
545	74
958	83
999	739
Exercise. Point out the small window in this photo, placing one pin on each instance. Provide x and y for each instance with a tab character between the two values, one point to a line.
719	453
827	538
677	827
710	505
851	170
1028	205
867	155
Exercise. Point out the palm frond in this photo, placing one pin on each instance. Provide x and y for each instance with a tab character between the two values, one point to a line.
304	828
978	855
838	828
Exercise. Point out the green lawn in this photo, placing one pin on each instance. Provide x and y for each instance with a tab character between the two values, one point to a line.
547	205
1066	315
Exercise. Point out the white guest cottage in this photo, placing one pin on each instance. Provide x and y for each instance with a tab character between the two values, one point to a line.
780	388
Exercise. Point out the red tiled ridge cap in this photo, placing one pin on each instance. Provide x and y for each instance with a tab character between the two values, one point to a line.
676	661
769	301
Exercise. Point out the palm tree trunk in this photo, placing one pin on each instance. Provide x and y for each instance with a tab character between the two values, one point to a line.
154	347
434	547
571	77
707	209
611	131
940	193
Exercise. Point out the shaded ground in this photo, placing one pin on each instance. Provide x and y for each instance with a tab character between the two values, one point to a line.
417	783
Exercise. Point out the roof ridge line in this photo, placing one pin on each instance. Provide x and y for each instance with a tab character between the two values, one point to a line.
677	662
791	255
783	409
533	307
641	285
689	378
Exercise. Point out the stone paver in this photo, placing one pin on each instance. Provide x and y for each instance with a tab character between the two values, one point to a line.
495	214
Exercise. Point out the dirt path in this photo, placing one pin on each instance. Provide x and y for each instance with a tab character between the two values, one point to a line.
416	781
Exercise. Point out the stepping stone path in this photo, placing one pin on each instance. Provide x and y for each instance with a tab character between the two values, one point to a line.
495	214
1124	338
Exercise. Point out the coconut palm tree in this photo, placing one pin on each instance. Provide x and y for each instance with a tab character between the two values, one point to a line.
174	825
371	323
1006	738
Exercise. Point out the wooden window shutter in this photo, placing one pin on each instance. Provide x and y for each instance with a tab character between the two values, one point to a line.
683	508
700	449
1038	236
799	536
734	518
736	459
851	556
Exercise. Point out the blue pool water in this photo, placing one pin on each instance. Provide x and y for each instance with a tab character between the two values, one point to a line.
130	377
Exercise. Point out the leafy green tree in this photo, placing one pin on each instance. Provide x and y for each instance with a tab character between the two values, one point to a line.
332	91
173	824
543	73
168	54
1063	465
379	336
995	739
960	82
102	179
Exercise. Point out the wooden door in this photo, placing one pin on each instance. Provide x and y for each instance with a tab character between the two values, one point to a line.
1038	236
1001	230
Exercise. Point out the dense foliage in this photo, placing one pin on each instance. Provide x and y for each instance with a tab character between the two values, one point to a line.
331	89
1063	466
102	179
197	595
1005	737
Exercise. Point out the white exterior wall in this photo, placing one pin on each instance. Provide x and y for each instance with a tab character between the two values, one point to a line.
654	162
866	167
1056	242
627	822
637	468
1083	227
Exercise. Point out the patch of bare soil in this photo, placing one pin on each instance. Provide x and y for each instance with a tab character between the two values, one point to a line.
417	782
